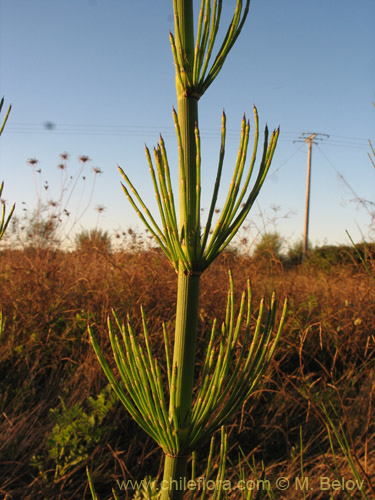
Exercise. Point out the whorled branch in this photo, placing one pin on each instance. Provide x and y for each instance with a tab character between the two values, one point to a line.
196	256
141	391
239	201
6	116
233	367
194	76
4	221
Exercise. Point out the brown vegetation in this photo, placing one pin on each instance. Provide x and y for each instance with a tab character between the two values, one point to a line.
327	355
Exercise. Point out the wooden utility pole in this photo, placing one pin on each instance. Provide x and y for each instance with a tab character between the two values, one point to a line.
309	138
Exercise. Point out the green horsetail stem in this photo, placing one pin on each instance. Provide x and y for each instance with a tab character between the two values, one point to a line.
226	381
91	484
231	370
6	115
4	221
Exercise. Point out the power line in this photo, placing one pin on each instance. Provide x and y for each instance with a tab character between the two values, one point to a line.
285	161
142	130
342	178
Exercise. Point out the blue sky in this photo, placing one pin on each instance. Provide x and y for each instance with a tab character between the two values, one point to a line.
101	72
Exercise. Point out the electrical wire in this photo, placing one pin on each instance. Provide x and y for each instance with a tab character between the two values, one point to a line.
141	131
342	178
286	161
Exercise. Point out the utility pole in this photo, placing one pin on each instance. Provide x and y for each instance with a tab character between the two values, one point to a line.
310	139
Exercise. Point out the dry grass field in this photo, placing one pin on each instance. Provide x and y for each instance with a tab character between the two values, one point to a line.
58	415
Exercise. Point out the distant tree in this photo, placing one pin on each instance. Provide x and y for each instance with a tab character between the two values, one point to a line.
270	246
295	253
93	239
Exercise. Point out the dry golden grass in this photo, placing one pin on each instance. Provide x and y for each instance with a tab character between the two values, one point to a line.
326	355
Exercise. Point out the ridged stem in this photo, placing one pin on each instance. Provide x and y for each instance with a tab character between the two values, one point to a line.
188	284
187	112
183	365
175	479
188	281
185	344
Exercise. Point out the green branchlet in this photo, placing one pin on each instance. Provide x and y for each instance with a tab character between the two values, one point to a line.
4	220
6	116
196	256
193	74
220	475
337	432
91	484
230	374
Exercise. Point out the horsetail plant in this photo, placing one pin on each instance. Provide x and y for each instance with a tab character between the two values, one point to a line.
3	225
6	116
4	220
235	359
